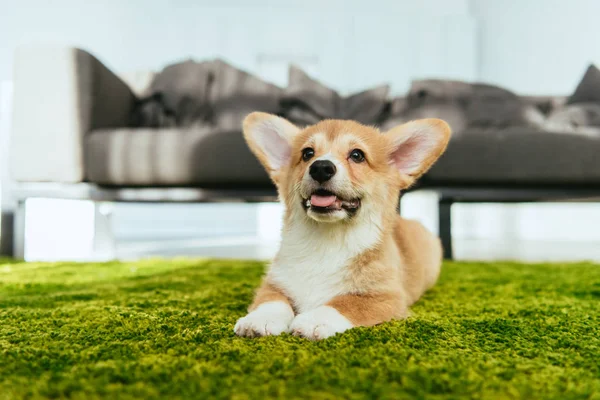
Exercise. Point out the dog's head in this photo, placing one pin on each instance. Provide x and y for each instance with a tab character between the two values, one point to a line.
337	170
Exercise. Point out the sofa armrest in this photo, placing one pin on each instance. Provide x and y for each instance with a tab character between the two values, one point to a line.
61	94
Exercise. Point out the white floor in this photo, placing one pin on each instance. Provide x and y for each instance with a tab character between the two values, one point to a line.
237	247
248	247
526	250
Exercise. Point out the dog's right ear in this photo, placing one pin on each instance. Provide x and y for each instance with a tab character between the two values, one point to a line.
270	139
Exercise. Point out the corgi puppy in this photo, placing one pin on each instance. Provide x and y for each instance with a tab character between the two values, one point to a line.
346	258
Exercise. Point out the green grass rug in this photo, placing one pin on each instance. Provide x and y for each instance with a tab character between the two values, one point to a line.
164	329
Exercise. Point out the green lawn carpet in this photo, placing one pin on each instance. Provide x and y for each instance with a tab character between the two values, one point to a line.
164	329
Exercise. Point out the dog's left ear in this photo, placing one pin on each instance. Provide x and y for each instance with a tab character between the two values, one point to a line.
270	138
416	145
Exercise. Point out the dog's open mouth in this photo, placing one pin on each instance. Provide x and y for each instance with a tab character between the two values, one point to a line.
324	201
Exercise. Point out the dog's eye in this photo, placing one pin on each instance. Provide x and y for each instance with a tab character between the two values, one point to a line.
308	153
357	156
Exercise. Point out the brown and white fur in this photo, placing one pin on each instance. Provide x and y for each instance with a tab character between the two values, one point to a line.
348	260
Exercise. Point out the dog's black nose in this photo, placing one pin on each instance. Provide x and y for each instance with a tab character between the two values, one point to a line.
322	170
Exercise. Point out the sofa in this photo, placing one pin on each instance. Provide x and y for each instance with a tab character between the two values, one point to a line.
81	132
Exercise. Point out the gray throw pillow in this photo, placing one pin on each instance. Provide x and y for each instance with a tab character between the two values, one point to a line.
588	89
365	106
575	118
151	112
236	93
213	93
395	113
464	104
307	101
493	106
184	89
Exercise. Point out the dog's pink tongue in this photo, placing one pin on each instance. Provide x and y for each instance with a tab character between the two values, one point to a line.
322	201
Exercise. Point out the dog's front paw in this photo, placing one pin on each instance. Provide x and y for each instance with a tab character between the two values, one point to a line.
272	318
320	323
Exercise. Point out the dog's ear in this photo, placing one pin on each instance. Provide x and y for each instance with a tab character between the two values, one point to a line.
270	137
416	145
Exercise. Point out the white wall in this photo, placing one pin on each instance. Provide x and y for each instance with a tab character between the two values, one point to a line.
349	44
5	112
536	46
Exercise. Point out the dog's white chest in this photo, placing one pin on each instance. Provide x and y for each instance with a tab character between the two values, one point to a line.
312	268
312	280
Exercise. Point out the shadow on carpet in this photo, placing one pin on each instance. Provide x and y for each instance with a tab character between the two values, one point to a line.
164	329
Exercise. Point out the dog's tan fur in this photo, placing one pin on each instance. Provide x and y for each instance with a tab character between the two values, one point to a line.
382	281
268	292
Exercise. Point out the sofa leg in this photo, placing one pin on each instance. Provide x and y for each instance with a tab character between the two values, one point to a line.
445	227
18	237
6	233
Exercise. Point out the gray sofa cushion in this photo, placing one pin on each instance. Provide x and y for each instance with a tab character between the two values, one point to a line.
588	89
307	101
198	156
518	156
